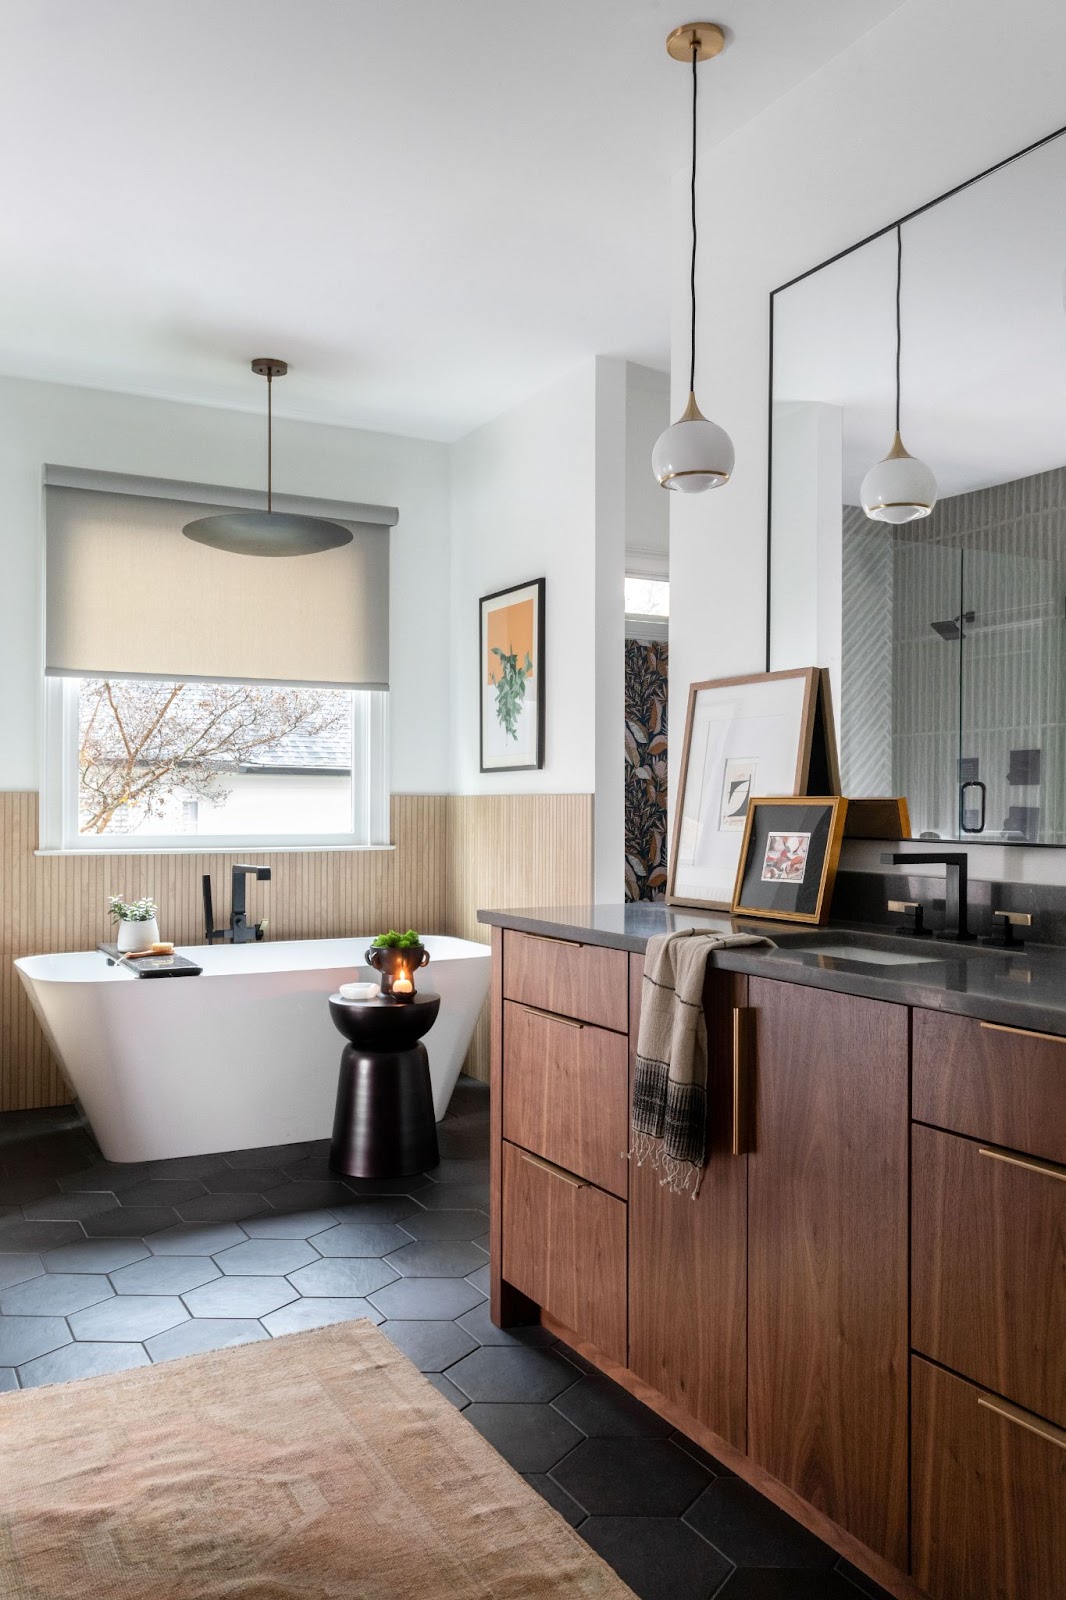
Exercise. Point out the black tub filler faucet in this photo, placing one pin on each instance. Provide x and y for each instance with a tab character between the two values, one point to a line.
240	931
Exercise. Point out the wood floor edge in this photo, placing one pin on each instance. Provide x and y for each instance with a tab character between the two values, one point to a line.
867	1561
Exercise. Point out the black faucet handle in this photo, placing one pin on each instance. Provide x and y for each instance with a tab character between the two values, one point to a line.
912	909
1004	936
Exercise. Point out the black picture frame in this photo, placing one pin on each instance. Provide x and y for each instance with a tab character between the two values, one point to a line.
534	589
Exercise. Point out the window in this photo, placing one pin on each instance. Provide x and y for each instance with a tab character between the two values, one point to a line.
647	597
139	763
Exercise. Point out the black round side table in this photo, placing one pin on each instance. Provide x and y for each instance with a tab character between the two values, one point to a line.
383	1126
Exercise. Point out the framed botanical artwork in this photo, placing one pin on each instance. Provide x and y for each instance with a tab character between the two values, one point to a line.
512	678
789	856
769	733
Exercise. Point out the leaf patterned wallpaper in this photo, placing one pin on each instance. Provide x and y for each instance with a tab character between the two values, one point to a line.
645	788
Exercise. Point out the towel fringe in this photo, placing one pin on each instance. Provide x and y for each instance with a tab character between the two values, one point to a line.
679	1176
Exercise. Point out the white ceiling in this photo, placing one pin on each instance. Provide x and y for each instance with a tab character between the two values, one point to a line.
430	209
984	334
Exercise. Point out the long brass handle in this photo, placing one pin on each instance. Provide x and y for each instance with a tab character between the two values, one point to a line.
1019	1161
738	1141
547	1016
556	1172
1022	1419
1024	1033
549	938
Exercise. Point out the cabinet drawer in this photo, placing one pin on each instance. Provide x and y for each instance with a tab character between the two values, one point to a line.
989	1268
565	1094
564	1245
988	1493
999	1084
576	980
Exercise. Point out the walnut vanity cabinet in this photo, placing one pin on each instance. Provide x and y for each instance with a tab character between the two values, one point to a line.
827	1256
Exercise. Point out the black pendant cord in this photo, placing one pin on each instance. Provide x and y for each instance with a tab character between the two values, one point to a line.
692	198
270	443
899	320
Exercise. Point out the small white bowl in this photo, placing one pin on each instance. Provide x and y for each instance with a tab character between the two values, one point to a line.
359	991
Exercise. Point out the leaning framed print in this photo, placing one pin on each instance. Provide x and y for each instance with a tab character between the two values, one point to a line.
788	859
512	678
769	733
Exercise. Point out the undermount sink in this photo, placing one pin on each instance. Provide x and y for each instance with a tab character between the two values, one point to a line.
869	954
873	949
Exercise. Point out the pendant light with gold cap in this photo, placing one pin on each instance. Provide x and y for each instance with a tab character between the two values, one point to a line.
900	488
694	453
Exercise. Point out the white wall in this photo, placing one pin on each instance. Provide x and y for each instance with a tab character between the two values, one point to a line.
540	492
942	89
647	505
125	433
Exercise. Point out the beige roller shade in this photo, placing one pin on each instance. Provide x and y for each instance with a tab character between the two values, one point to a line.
127	595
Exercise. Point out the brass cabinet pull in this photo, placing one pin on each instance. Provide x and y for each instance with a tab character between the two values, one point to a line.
556	1172
549	938
547	1016
1024	1033
1043	1430
1020	1161
738	1141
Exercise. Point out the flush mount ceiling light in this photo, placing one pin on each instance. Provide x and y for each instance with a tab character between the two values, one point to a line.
694	453
900	488
269	532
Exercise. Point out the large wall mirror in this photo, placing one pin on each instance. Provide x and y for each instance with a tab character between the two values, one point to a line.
945	636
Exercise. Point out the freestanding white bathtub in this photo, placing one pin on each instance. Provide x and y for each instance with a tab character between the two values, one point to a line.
242	1056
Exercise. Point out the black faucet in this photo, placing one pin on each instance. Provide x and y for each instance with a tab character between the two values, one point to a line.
955	864
239	930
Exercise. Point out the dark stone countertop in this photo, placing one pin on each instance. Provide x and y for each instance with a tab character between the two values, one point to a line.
1026	989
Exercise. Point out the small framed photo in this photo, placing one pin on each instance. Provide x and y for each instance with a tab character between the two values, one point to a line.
512	678
788	860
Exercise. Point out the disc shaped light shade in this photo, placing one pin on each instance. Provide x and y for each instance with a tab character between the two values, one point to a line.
898	489
693	454
267	533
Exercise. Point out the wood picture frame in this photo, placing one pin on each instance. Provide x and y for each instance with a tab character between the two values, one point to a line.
789	857
767	730
870	818
511	628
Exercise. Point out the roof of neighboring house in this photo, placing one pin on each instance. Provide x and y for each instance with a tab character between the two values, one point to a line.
305	752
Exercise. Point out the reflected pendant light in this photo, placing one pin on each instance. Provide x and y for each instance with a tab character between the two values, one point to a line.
900	488
269	532
694	453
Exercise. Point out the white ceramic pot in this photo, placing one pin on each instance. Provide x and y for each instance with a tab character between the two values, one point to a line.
137	935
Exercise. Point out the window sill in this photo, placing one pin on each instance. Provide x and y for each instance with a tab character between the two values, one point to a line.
247	848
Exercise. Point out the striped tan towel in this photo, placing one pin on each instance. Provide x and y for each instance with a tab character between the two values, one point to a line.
669	1116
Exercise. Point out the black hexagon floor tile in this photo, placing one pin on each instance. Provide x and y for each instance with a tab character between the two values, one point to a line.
220	1207
447	1388
195	1239
243	1180
81	1361
631	1477
64	1207
317	1313
479	1323
516	1373
376	1187
19	1266
359	1238
437	1258
532	1438
269	1155
866	1586
441	1299
781	1583
21	1235
266	1257
137	1221
659	1557
556	1497
128	1317
750	1532
432	1346
306	1196
455	1197
162	1192
164	1275
468	1223
288	1224
340	1275
9	1379
55	1294
95	1255
204	1333
376	1208
24	1338
240	1297
603	1410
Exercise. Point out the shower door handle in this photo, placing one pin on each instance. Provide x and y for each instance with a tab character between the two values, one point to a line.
974	783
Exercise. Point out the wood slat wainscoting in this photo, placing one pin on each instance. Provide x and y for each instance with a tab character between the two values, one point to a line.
453	853
514	850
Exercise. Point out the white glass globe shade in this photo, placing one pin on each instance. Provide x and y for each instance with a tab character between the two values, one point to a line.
898	489
693	454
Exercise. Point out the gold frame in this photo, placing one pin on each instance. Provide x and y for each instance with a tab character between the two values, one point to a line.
839	809
817	703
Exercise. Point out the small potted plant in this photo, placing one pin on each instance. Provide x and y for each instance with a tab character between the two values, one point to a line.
397	956
137	925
